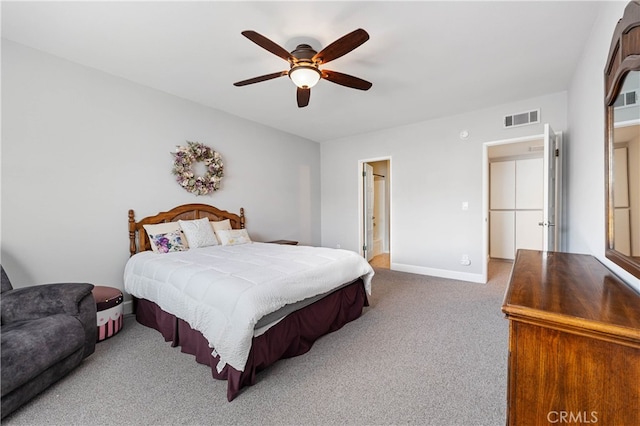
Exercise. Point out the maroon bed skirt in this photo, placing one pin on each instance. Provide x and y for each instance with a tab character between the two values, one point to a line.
292	336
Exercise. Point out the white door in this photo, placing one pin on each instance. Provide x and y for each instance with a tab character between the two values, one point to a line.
528	233
529	185
367	173
529	204
379	216
621	205
501	215
550	238
502	185
502	234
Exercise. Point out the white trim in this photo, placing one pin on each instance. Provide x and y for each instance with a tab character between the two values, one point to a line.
485	211
127	307
560	241
440	273
361	205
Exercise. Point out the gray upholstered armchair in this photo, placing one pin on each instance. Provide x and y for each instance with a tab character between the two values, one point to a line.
47	330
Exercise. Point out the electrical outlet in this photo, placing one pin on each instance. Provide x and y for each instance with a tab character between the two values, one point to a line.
337	245
465	260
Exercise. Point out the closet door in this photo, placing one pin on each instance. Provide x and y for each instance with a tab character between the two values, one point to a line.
516	203
622	231
502	234
529	233
501	204
621	207
529	204
529	191
503	185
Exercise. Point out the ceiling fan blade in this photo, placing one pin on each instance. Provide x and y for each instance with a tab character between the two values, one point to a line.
303	96
261	78
267	44
346	80
342	46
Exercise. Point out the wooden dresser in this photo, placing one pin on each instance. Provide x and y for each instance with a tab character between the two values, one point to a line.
574	342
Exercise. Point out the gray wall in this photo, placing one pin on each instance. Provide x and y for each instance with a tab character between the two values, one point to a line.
81	147
432	172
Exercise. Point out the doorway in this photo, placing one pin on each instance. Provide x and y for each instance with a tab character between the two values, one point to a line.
374	199
522	204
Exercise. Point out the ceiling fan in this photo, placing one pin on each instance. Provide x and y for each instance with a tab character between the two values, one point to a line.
305	63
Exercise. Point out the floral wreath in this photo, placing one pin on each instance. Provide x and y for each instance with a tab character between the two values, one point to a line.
195	152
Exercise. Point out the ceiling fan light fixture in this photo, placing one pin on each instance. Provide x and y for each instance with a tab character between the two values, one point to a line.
304	63
305	76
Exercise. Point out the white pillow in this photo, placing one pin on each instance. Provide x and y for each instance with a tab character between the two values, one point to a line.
233	237
223	225
163	228
199	232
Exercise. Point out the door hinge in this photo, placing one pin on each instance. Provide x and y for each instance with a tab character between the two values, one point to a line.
364	174
557	152
364	248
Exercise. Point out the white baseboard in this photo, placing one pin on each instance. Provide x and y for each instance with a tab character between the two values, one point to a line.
127	307
441	273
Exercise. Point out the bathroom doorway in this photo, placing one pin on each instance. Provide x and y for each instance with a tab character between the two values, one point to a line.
375	211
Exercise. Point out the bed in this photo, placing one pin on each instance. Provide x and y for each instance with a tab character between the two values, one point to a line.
238	306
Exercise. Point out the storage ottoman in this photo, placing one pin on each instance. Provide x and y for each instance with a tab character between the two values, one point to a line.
109	311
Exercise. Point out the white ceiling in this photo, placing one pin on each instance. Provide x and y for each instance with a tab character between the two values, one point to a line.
425	59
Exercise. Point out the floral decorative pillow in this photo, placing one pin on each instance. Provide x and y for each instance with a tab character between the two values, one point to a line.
164	228
199	232
233	237
167	243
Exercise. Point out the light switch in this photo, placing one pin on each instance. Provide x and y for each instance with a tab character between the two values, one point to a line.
465	205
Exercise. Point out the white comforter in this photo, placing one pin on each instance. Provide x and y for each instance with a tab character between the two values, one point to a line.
222	291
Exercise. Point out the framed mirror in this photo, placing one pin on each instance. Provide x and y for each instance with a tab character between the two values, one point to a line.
622	143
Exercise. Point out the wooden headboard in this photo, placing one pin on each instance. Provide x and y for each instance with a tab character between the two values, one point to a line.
184	212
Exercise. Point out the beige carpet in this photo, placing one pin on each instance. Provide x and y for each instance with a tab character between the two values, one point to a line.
427	351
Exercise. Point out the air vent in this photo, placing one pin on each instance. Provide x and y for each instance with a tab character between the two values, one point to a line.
626	99
522	118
